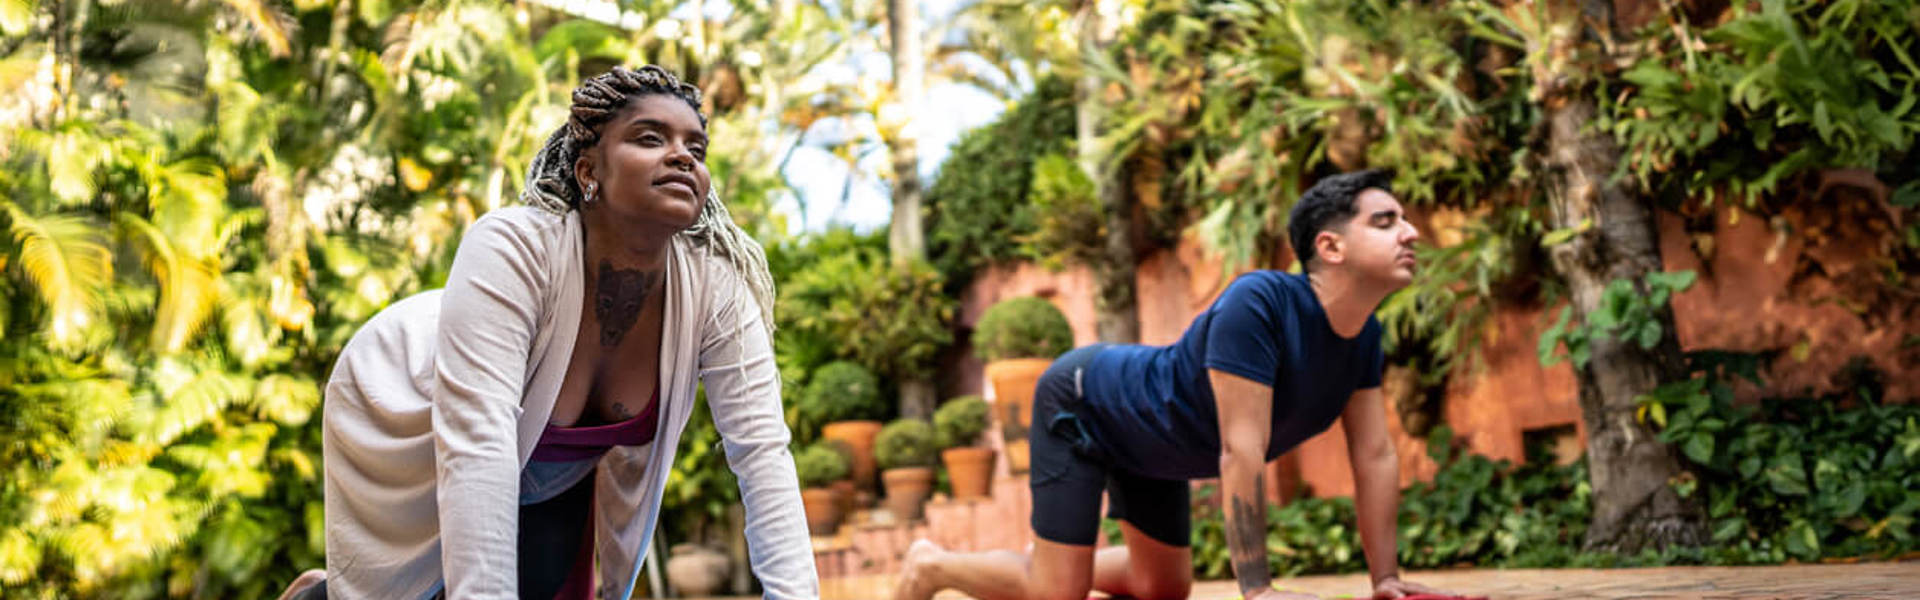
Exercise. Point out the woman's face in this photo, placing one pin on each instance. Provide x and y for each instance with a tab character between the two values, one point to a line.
650	164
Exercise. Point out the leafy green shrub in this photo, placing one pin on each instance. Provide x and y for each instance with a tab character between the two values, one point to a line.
959	421
1792	478
820	465
805	339
1025	327
904	443
858	305
1069	226
842	391
977	206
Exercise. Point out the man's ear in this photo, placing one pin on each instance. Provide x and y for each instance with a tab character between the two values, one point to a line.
1329	248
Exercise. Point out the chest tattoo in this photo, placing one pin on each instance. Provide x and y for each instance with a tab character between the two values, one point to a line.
618	297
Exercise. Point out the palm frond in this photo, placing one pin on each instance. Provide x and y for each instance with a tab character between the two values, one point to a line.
64	258
189	285
187	198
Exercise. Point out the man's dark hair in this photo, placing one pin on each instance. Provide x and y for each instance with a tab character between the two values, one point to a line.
1330	202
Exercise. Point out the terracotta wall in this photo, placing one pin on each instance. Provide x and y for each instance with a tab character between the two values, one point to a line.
1801	284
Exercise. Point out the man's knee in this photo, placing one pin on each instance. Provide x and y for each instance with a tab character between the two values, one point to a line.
1053	590
1161	584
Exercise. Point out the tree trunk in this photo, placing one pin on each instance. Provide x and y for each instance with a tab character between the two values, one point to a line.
1116	307
1634	506
905	240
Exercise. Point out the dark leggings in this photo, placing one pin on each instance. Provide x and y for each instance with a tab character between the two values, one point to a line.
553	542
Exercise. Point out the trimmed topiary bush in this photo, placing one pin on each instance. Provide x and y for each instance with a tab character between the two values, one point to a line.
820	465
1025	327
959	421
841	391
905	443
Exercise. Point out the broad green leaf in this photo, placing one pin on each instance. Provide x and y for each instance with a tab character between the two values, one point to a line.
1726	529
1649	335
1699	448
1786	476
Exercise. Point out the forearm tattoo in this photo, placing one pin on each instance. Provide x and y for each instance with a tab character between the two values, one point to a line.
618	297
1247	537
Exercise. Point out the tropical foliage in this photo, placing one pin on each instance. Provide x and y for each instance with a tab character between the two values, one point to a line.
203	201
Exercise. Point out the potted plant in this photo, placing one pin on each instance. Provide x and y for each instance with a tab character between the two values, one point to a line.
819	466
843	490
1019	338
846	398
956	427
906	454
696	569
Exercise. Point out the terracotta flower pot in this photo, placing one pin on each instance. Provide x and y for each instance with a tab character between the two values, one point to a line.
823	510
1013	382
843	494
697	570
907	491
968	468
859	436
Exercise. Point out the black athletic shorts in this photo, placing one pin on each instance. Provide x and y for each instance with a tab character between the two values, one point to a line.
1069	469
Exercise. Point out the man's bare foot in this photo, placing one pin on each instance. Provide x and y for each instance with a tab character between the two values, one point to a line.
917	573
305	580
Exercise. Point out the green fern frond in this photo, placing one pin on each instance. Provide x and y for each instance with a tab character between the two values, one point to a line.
287	399
192	405
64	258
19	557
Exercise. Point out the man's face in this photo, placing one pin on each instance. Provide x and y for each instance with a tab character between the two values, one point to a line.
1378	243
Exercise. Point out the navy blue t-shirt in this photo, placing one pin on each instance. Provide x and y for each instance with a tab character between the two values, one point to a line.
1152	407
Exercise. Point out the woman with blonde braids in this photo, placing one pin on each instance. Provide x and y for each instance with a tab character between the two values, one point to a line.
510	435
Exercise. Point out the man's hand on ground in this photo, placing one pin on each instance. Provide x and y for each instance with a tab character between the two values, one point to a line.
1393	587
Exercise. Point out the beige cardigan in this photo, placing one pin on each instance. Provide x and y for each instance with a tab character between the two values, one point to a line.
435	406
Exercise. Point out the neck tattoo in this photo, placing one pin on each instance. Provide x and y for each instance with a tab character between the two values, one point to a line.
619	295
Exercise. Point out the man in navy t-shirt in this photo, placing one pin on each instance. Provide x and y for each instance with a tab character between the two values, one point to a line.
1274	361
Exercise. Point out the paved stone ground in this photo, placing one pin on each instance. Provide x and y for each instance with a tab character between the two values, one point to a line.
1890	580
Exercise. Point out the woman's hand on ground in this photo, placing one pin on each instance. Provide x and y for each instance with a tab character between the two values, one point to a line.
1273	594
